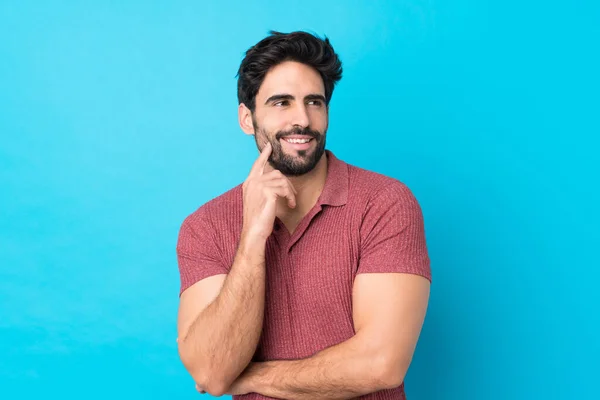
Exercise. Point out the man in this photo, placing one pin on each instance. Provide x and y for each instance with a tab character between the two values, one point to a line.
311	279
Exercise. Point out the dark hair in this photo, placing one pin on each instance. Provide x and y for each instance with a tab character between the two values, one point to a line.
278	47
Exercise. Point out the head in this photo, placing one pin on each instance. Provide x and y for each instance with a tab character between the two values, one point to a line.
285	84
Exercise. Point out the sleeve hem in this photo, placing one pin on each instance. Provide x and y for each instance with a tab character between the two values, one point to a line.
189	280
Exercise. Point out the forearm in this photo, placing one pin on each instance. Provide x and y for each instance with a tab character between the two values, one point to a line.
222	340
344	371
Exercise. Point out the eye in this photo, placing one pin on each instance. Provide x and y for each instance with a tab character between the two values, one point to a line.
281	103
317	103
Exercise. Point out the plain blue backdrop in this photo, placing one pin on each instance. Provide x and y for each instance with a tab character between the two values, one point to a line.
118	119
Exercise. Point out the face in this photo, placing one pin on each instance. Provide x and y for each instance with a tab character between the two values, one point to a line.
291	114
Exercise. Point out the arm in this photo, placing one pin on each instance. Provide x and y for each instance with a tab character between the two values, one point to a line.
390	297
232	307
219	335
388	315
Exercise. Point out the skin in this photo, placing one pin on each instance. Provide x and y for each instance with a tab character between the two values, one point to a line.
304	108
388	309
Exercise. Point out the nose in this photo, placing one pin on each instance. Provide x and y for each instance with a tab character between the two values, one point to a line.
300	117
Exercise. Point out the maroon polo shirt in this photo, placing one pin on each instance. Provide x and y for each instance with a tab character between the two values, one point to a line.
363	222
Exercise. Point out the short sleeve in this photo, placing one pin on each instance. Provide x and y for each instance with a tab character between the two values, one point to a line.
198	255
392	234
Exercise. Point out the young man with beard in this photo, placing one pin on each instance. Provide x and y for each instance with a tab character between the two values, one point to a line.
311	279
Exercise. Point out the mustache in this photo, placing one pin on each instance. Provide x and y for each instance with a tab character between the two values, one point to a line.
298	131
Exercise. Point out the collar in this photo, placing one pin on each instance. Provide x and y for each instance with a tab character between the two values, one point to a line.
335	191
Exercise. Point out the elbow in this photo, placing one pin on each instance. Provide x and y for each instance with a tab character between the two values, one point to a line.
208	382
203	374
212	384
214	388
391	372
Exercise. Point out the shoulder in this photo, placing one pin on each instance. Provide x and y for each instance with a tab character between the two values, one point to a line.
370	187
219	211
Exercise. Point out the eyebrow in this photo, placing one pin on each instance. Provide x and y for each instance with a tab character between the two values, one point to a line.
280	97
315	97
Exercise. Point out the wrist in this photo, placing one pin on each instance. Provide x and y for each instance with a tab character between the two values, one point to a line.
252	247
258	377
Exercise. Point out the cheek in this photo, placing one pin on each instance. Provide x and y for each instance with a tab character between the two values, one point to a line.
319	120
273	122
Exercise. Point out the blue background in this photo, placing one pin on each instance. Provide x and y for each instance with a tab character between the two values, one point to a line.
118	119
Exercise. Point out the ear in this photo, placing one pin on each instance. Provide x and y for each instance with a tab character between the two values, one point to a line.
245	119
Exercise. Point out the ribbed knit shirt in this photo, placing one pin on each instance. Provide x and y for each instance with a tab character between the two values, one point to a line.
362	222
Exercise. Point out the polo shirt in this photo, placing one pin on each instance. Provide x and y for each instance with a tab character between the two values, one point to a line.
362	222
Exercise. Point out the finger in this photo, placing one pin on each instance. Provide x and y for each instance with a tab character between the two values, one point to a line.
291	185
282	189
278	175
259	165
281	182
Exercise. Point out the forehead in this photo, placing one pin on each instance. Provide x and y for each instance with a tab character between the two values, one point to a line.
293	78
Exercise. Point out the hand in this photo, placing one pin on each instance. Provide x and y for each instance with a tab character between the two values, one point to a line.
261	191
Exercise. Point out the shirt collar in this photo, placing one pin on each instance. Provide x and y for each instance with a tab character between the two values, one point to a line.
335	191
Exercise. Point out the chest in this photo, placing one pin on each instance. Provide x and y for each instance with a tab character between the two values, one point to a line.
313	264
308	298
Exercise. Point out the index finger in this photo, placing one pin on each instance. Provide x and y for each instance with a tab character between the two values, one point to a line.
259	165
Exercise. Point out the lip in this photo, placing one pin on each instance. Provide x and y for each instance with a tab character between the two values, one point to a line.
297	146
298	137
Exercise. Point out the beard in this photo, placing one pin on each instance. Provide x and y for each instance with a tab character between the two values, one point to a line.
292	165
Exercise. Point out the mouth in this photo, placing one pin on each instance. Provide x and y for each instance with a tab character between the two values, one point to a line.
297	142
